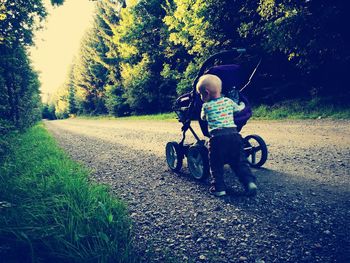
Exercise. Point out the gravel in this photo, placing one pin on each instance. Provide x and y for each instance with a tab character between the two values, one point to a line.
301	212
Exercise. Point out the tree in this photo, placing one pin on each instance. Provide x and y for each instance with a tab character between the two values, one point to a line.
72	105
19	19
48	112
90	73
19	84
201	28
309	38
107	21
141	39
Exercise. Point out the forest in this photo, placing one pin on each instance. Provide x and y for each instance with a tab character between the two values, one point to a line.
138	56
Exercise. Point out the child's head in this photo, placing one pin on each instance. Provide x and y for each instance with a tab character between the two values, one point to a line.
209	87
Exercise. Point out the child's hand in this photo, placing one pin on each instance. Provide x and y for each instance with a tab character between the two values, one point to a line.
241	106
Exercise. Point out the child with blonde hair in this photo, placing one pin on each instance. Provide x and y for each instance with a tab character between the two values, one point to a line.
225	143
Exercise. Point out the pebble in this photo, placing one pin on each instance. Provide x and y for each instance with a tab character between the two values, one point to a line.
242	258
221	238
317	245
327	232
202	257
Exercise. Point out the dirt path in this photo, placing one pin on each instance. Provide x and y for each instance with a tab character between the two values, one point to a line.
301	213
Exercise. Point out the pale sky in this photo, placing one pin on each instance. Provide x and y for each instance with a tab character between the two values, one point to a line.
57	44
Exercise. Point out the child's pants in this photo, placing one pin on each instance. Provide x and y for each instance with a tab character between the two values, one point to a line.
227	148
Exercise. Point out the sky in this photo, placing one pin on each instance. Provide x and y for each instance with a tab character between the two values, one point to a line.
59	41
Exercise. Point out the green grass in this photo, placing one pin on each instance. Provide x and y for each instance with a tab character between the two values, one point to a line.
51	212
157	117
293	109
313	109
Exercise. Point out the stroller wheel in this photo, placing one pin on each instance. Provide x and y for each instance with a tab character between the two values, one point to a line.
174	156
198	163
256	150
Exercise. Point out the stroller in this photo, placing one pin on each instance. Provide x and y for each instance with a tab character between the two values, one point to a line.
188	106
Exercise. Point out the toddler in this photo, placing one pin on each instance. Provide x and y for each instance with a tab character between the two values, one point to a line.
225	143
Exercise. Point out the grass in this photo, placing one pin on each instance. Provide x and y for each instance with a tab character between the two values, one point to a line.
157	117
313	109
51	212
293	109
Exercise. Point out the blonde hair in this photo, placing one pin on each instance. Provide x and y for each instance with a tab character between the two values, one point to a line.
209	83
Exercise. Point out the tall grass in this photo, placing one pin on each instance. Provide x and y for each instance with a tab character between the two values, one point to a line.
49	211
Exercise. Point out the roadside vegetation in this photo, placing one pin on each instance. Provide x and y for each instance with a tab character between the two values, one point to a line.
157	117
50	212
302	109
292	109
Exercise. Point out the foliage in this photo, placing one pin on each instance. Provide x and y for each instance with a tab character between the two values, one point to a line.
316	108
51	212
116	101
18	20
48	112
312	38
107	21
19	85
57	2
72	104
143	54
202	28
142	41
96	68
91	74
19	99
5	128
61	102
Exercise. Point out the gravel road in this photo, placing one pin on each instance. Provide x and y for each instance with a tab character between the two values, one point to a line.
301	212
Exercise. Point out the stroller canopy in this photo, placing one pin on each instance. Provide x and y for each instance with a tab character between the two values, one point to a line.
230	75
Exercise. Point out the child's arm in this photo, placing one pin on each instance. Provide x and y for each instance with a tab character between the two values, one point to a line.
203	115
238	107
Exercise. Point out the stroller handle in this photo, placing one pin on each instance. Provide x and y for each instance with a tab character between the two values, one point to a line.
226	53
234	53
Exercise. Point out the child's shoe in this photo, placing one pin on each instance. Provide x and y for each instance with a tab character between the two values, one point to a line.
217	192
251	189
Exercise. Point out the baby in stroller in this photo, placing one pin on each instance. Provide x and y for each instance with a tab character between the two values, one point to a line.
225	143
